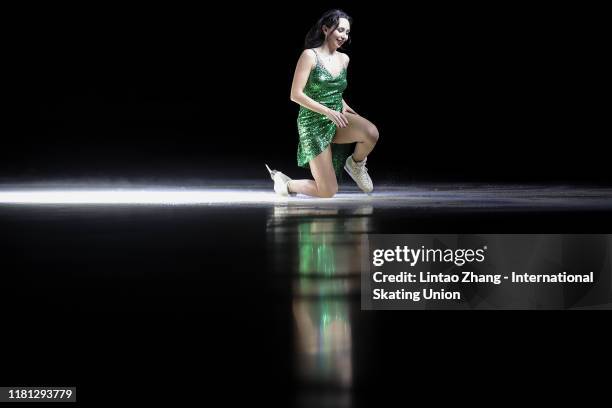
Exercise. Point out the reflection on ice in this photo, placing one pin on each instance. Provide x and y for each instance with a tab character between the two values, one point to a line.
324	248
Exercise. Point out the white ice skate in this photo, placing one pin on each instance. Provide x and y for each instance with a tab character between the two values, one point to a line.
359	172
280	182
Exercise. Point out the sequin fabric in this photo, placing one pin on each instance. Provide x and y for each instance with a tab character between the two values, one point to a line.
315	130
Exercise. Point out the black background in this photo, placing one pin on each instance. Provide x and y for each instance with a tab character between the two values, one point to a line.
459	92
504	93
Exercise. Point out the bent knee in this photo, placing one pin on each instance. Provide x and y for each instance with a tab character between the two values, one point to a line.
328	192
372	133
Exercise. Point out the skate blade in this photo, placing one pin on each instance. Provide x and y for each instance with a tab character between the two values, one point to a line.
272	172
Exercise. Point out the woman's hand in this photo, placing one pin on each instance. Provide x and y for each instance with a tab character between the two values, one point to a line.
346	108
339	118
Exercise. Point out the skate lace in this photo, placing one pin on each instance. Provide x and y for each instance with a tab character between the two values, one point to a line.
362	169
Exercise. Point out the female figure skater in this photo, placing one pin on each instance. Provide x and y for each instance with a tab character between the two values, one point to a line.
327	125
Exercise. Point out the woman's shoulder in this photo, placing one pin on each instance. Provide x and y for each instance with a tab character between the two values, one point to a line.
345	58
309	53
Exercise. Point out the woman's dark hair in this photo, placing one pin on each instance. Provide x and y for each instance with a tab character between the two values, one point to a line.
330	18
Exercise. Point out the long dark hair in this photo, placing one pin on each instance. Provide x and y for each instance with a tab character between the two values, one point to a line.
330	18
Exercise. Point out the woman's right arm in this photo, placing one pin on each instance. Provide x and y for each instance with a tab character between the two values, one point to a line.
304	65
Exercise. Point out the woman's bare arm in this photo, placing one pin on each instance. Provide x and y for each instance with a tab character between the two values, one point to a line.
305	64
345	106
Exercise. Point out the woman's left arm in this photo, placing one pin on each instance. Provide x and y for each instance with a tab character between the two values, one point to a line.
345	106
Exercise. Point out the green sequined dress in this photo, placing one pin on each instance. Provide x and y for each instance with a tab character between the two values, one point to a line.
316	131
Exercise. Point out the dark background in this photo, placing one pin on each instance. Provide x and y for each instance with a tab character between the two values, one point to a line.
461	92
503	93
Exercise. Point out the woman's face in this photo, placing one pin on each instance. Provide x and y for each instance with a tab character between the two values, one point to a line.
340	35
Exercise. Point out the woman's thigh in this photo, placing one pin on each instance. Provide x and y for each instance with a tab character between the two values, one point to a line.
359	129
322	171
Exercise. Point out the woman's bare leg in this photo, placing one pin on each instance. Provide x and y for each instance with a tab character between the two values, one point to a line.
359	130
324	184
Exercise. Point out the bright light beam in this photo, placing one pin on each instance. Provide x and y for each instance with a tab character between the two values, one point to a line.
131	196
